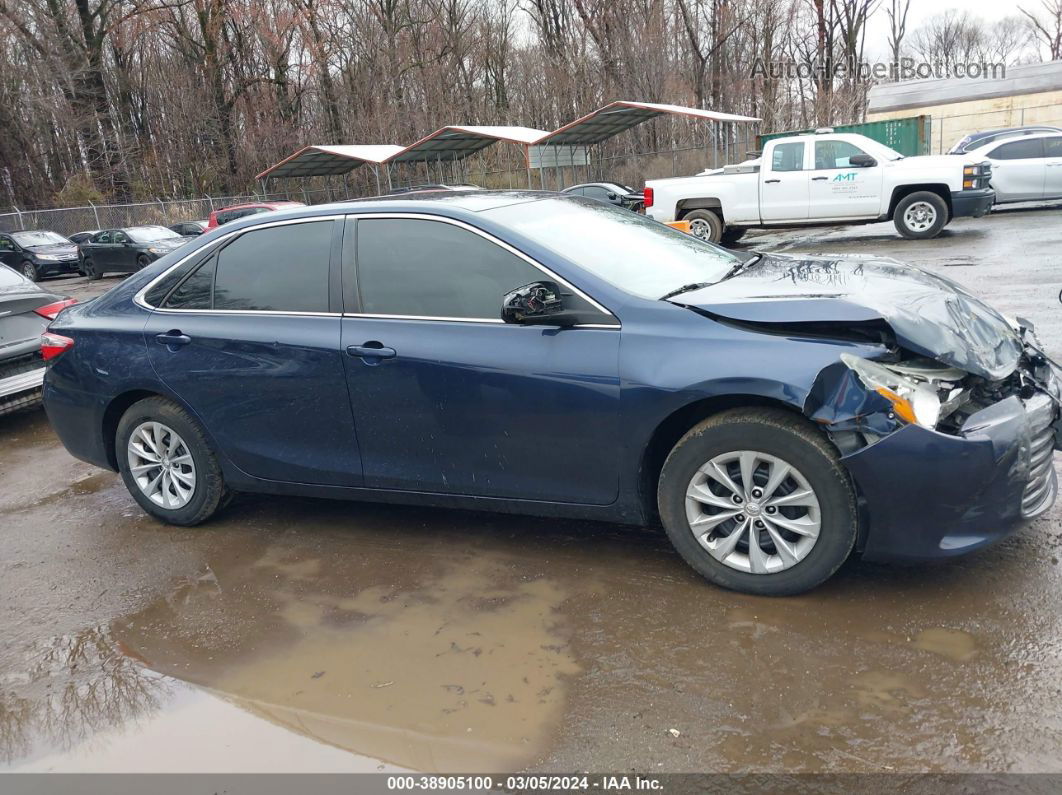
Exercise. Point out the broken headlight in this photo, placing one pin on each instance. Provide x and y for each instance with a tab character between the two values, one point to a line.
912	400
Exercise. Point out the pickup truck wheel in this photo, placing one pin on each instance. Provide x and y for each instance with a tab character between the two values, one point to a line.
920	215
756	500
705	224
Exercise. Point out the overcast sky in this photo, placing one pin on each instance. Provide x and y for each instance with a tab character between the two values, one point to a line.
921	10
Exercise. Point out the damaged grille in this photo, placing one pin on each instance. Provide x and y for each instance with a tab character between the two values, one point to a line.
1040	491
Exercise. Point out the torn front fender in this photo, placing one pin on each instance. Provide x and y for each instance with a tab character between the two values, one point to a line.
839	400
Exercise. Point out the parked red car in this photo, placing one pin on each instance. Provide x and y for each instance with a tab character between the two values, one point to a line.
226	214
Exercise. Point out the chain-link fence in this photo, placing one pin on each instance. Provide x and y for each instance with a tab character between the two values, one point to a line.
162	212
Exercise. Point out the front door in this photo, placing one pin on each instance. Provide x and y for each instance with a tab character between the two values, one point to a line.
1018	170
248	340
1053	167
123	252
458	402
784	194
841	190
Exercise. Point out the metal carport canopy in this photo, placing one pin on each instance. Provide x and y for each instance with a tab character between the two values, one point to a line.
616	117
322	161
457	142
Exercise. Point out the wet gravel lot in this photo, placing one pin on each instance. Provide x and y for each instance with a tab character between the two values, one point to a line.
294	634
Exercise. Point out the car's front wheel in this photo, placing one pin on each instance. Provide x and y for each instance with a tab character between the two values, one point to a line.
920	215
756	500
29	270
167	464
142	262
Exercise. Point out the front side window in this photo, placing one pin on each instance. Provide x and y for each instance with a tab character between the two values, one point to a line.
1019	150
277	269
636	254
423	268
835	154
119	237
788	157
1053	147
102	237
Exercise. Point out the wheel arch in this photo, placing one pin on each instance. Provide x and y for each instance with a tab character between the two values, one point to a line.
705	203
675	425
902	191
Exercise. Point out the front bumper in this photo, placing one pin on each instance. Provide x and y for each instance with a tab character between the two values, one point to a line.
933	495
973	203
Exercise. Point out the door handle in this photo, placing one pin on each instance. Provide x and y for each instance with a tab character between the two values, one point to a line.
769	181
819	179
173	338
371	350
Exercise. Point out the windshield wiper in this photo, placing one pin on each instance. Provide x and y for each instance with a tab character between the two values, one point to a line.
686	288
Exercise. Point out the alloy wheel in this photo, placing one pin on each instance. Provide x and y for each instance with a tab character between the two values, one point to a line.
161	465
753	512
29	271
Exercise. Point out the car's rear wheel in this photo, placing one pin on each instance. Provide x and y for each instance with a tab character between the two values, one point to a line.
920	215
705	224
167	464
29	270
756	500
88	267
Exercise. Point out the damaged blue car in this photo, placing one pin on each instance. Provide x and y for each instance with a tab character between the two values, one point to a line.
535	353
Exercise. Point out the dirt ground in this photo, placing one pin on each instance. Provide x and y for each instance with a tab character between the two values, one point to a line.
302	635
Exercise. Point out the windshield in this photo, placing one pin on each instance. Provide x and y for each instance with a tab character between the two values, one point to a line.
636	254
31	239
149	234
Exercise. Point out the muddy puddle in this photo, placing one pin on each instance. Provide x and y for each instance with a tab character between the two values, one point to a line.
310	635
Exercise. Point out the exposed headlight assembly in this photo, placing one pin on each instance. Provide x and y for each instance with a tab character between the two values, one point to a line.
911	400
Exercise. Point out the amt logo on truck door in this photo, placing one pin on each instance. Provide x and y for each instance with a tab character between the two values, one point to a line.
847	177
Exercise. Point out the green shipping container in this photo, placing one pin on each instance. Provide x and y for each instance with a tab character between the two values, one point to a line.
909	136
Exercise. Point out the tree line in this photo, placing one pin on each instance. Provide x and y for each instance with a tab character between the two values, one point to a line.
124	99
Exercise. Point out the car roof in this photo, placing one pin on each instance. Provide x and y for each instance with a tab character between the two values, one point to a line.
258	204
1001	141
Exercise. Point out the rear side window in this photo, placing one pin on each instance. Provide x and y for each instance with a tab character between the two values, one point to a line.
279	269
788	157
195	292
1019	150
434	269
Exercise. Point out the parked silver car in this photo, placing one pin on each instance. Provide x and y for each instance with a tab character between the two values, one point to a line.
1028	168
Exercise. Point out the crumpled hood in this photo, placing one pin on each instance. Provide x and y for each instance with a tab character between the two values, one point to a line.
928	315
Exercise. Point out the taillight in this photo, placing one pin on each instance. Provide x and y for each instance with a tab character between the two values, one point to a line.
647	197
51	310
53	345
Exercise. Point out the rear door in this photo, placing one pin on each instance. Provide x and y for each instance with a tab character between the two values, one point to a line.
250	340
784	191
1053	167
1019	170
840	190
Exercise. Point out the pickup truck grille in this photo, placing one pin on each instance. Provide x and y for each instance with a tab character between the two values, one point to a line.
1040	491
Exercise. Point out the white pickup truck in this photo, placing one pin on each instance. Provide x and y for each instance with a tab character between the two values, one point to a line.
825	179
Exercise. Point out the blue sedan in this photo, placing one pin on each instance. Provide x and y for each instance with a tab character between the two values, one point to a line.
552	355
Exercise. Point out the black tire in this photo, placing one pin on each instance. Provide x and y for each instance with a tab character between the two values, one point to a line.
209	493
798	443
705	224
732	234
29	270
88	267
142	262
932	203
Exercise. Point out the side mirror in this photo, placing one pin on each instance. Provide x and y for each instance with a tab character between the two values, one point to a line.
612	197
862	161
538	304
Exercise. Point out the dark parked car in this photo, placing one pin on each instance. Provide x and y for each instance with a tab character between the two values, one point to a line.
25	311
189	228
81	237
984	137
227	214
127	250
529	352
38	254
609	193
